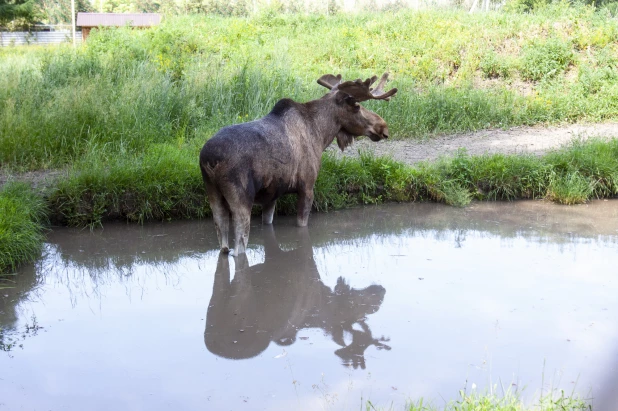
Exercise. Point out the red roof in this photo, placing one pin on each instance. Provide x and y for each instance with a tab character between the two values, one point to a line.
118	19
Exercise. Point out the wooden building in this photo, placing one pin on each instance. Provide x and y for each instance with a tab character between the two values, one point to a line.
88	21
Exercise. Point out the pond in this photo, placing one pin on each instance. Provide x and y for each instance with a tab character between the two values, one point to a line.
385	304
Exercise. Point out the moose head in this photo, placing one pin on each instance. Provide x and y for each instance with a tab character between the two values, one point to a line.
355	119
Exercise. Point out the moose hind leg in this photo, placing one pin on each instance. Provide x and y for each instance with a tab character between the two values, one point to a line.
241	217
221	217
268	211
303	207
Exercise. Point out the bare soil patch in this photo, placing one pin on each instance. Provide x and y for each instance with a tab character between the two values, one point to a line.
40	180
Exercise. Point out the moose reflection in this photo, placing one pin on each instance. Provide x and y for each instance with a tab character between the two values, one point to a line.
273	300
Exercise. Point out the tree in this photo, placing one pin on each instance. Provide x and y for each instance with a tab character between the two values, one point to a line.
59	11
22	12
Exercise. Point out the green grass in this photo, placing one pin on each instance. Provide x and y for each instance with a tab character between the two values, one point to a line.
165	182
22	215
180	82
509	401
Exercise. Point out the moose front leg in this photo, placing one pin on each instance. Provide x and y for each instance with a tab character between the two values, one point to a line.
303	208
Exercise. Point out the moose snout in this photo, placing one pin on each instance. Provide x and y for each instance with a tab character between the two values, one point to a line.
378	132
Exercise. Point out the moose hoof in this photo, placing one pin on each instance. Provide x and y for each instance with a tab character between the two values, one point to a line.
225	250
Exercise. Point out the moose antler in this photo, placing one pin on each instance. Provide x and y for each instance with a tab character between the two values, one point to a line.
362	91
329	81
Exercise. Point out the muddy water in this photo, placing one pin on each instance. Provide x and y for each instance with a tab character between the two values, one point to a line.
381	303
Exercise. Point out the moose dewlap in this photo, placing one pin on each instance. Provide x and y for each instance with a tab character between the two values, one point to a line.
259	161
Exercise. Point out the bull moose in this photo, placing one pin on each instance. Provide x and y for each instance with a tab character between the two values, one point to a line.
272	301
258	161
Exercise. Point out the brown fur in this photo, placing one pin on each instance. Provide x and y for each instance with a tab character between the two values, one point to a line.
281	153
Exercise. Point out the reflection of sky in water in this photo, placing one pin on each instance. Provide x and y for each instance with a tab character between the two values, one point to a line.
463	303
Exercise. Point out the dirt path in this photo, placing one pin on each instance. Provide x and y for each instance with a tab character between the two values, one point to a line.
520	140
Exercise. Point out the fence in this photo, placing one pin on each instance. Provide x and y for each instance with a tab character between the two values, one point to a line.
16	38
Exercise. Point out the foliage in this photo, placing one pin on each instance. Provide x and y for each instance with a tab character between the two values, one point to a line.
161	184
21	12
492	65
59	11
22	214
126	89
543	59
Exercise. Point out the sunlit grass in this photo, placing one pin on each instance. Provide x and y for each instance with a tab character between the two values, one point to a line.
490	401
22	213
180	82
165	182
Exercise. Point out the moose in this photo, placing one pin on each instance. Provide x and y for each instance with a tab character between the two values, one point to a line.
271	301
259	161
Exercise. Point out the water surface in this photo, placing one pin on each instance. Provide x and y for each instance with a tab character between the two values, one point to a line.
382	303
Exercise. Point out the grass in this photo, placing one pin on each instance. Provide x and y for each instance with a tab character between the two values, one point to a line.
22	215
510	401
178	83
165	182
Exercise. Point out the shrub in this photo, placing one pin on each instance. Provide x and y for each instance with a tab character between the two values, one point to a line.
493	65
542	59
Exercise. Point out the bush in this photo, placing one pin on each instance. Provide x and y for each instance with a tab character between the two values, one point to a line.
545	59
493	66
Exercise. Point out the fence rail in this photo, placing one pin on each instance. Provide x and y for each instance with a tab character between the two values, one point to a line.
16	38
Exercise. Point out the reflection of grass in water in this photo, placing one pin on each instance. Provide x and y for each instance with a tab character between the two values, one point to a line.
7	281
10	339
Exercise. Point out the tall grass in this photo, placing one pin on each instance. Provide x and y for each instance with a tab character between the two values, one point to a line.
127	90
22	214
162	183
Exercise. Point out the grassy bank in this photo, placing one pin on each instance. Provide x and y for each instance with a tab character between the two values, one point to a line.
165	182
22	214
178	83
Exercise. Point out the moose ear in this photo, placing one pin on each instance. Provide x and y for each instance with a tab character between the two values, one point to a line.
344	98
341	97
